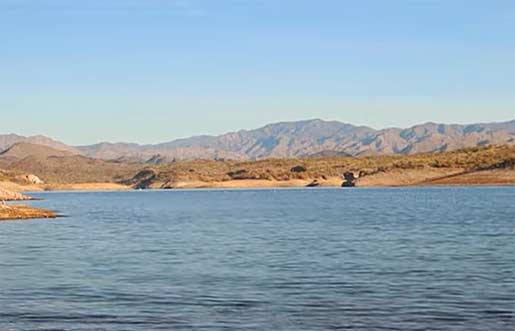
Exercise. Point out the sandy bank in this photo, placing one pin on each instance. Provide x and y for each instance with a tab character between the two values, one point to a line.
86	187
63	187
250	183
411	177
407	177
486	177
397	177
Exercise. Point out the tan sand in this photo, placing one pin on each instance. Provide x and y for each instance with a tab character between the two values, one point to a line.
251	183
405	177
11	186
410	177
86	187
486	177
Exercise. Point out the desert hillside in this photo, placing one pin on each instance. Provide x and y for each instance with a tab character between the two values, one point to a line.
368	171
60	167
52	169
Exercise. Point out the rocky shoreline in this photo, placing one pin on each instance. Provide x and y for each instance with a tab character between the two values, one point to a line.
8	195
15	211
18	212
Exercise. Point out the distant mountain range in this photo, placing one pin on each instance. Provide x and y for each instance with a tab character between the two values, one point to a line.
311	138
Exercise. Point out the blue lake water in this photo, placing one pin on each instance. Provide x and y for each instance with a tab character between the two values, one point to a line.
439	258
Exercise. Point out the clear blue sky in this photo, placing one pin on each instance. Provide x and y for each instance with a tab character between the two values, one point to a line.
153	70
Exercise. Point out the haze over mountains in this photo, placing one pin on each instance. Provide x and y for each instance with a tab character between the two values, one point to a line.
280	140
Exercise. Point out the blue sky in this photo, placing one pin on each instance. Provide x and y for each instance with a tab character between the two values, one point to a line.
154	70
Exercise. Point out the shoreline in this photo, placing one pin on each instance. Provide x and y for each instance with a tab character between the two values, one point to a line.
16	211
392	179
10	212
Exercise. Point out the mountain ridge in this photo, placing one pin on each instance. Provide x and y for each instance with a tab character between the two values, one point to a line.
295	139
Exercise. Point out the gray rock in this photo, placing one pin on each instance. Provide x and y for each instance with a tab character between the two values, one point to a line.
350	179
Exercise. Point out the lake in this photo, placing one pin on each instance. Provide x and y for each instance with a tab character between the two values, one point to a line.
427	258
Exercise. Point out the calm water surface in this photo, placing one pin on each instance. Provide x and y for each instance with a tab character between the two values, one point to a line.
319	259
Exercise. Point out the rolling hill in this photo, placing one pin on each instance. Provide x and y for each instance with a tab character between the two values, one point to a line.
59	166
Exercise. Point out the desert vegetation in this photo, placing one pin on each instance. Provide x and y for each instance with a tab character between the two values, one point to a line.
308	169
57	171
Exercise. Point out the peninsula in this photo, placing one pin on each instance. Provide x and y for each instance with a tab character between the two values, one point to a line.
16	211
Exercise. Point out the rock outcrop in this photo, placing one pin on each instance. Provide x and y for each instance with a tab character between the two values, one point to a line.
10	212
142	180
350	179
156	159
13	212
32	179
314	183
6	195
